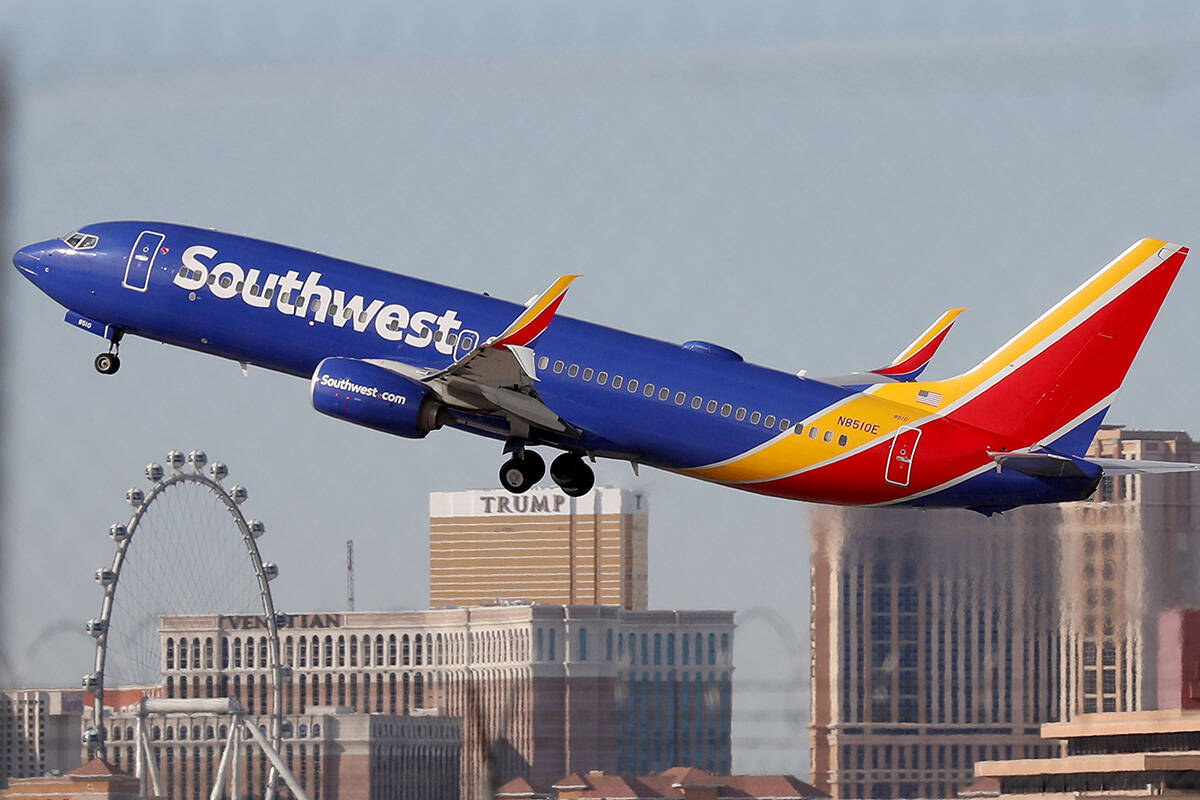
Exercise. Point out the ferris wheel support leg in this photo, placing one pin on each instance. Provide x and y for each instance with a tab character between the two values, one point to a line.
272	779
277	762
223	767
151	767
139	758
235	778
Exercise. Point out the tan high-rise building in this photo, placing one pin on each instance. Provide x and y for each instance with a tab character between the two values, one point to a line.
39	731
1129	552
943	638
934	645
488	546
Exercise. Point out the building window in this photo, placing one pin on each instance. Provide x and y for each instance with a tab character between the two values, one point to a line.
550	646
608	645
583	644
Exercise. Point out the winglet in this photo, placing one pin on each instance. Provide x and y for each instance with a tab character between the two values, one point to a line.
536	317
913	359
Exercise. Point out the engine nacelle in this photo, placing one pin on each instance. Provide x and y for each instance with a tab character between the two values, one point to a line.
374	397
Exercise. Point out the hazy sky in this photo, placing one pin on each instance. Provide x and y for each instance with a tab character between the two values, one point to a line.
808	183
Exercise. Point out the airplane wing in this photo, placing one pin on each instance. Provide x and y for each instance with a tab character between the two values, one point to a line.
499	374
911	361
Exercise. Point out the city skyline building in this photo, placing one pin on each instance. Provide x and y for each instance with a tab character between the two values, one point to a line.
39	731
487	546
934	645
535	691
1129	552
944	638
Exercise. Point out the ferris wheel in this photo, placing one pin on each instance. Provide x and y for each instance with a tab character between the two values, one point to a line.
196	553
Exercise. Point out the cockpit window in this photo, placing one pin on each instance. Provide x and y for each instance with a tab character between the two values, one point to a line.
81	241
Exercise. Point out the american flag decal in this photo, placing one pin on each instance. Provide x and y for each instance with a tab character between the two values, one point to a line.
929	398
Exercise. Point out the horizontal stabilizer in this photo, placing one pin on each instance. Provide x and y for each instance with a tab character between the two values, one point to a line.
1130	466
1053	465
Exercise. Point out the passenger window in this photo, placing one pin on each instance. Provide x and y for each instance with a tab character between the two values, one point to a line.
255	289
573	371
697	401
285	298
316	303
212	279
558	367
648	390
451	338
543	362
617	381
270	293
664	393
784	424
300	303
740	415
680	398
183	272
587	374
240	285
226	281
755	416
842	440
347	313
829	436
394	325
632	385
602	378
711	407
437	337
769	421
812	432
726	410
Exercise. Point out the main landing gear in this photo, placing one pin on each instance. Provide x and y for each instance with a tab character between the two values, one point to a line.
108	363
526	468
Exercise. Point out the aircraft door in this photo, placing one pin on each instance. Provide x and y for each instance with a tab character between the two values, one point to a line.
466	343
141	259
900	457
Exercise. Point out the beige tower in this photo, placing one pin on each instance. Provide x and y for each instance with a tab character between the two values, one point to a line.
489	546
1130	552
934	645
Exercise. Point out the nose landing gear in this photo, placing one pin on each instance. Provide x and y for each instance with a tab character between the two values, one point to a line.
108	363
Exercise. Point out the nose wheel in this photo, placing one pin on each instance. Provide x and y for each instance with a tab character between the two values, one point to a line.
110	362
522	471
572	475
107	363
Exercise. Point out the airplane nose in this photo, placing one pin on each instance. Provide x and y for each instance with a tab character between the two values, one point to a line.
28	260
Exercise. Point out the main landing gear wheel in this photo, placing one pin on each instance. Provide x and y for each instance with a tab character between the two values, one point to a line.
107	363
522	471
573	476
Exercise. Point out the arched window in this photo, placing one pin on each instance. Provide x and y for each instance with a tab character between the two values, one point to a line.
684	655
712	648
405	651
658	649
417	647
391	650
670	649
353	652
329	651
379	650
170	653
341	651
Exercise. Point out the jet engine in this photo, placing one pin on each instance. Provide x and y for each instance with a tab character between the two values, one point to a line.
375	397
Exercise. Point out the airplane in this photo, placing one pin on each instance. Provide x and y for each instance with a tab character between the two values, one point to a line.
407	356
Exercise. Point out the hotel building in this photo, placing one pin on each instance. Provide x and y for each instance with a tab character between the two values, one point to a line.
531	691
943	638
39	731
489	546
935	643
